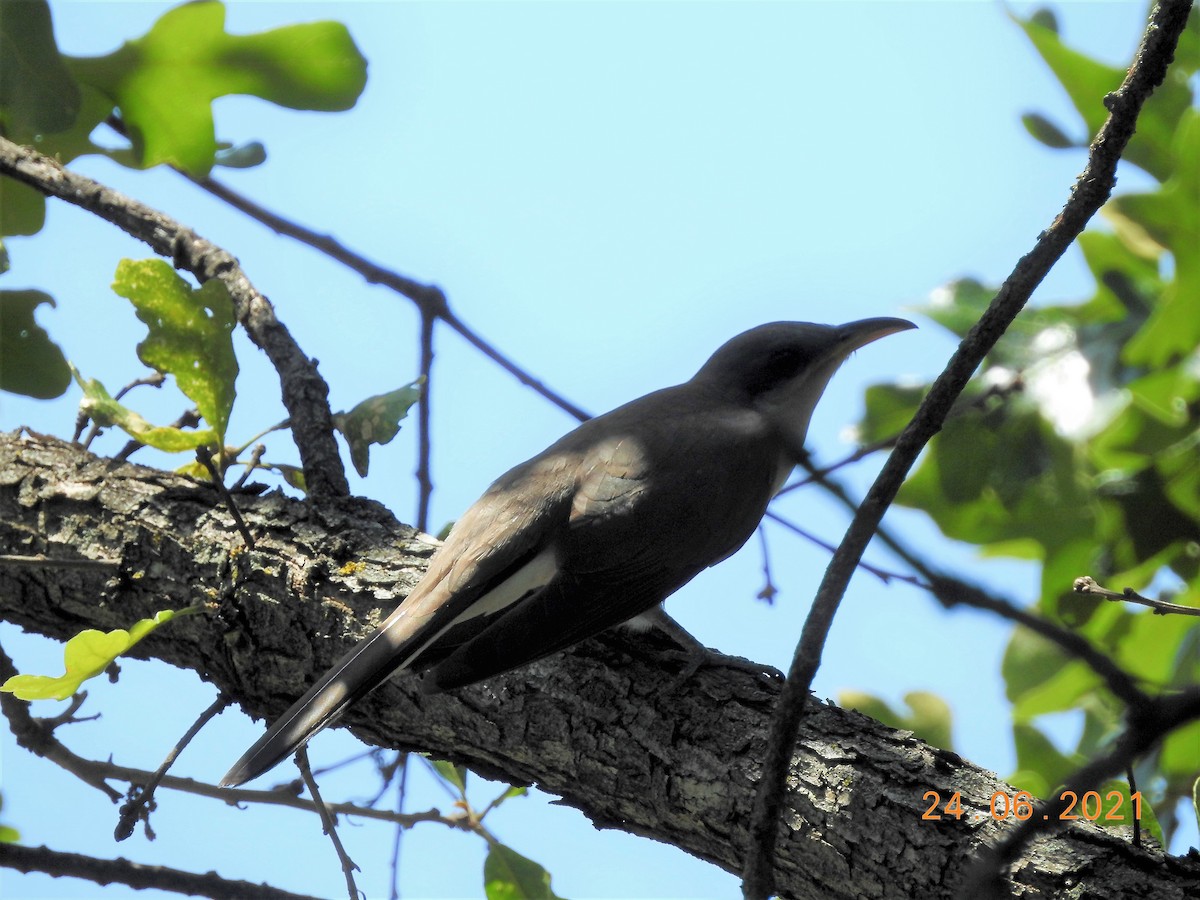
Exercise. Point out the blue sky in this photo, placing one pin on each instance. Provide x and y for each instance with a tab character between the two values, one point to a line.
607	192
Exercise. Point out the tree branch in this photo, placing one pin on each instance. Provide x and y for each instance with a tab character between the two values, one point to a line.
1091	190
305	393
594	726
136	875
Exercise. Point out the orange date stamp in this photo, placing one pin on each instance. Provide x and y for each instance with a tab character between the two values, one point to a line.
1021	806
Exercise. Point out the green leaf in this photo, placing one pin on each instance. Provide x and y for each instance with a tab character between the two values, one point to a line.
888	409
509	792
293	475
165	81
244	156
8	834
375	420
929	717
1181	752
99	405
1087	81
1046	132
1046	18
22	209
191	334
1040	765
509	876
85	656
1171	217
1039	678
37	91
1002	474
455	776
30	363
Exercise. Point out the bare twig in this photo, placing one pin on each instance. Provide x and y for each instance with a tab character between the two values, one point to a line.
1090	192
398	835
882	574
37	736
305	393
141	797
1088	585
428	298
205	456
327	822
424	405
136	875
251	464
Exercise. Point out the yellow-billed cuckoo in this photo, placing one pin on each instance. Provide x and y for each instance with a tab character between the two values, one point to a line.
598	528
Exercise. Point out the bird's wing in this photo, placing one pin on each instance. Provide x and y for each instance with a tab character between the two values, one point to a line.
642	524
491	560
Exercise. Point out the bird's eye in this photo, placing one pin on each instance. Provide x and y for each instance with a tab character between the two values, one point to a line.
775	367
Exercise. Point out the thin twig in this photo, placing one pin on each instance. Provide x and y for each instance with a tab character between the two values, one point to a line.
1131	777
1091	190
205	456
428	297
327	822
136	875
251	464
398	837
882	574
768	590
141	797
1088	585
424	404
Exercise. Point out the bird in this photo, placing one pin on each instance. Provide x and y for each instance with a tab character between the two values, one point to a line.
597	529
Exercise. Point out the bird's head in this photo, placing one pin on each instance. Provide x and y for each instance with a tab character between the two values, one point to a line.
782	368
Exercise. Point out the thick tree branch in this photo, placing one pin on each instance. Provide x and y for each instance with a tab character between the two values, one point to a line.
1090	192
594	726
305	393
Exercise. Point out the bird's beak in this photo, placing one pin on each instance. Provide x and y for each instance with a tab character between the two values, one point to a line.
853	335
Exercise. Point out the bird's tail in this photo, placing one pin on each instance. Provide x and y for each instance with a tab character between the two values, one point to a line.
360	671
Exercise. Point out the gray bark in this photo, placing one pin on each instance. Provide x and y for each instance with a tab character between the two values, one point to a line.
603	726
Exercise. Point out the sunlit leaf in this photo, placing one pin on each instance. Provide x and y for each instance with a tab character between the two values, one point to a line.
98	405
85	656
164	82
455	776
191	334
1088	81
